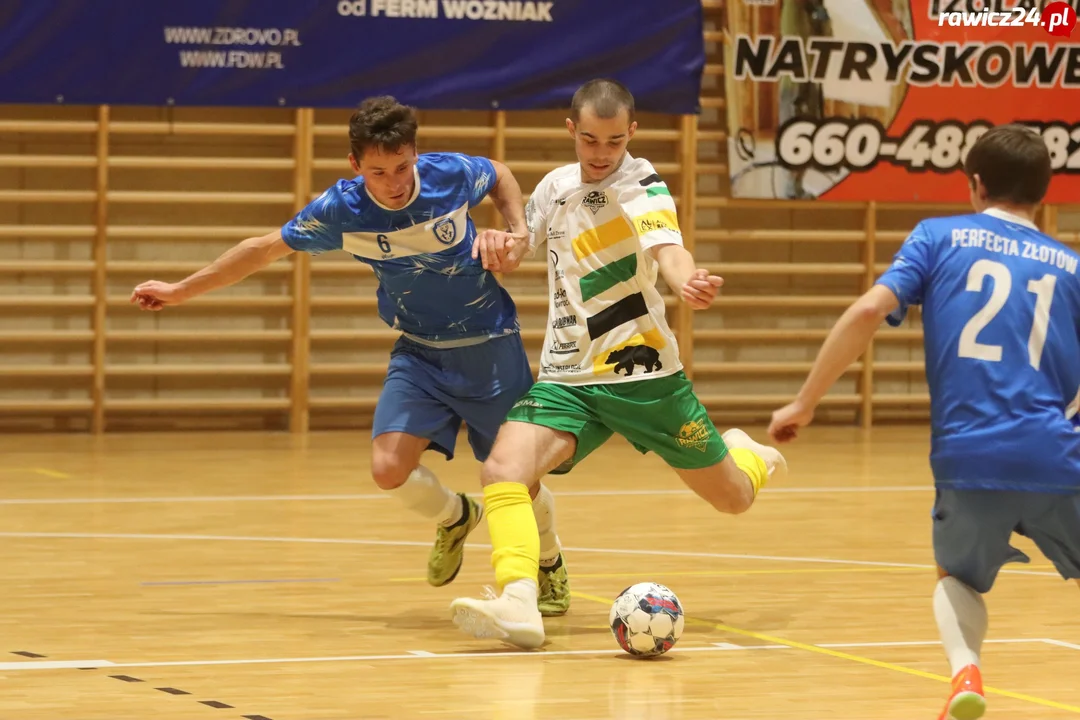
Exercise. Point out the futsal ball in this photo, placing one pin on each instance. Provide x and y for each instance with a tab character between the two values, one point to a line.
646	619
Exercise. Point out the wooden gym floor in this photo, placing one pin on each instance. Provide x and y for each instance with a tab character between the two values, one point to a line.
227	576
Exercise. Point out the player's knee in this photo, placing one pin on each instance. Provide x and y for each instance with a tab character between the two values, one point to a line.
728	492
390	470
731	501
499	467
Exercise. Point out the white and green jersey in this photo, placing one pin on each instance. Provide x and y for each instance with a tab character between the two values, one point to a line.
606	319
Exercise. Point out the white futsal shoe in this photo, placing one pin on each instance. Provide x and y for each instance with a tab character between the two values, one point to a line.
503	617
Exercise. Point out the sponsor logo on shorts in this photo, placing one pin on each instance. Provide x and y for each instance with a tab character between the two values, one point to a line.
564	348
527	402
564	322
694	434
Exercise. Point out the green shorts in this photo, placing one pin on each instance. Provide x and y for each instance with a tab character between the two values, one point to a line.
662	415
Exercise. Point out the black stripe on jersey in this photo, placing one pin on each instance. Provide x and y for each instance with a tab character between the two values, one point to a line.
627	309
651	180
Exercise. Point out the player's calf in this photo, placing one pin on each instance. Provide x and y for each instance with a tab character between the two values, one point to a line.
512	616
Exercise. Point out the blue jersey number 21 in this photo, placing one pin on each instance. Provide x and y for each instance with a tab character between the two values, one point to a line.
1043	289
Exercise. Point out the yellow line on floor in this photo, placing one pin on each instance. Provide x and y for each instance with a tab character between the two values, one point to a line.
727	573
36	471
772	639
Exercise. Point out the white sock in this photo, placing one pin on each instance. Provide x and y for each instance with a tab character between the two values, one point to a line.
962	620
425	495
544	510
524	590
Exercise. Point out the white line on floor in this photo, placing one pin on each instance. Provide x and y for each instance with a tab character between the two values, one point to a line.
490	655
382	496
417	543
54	664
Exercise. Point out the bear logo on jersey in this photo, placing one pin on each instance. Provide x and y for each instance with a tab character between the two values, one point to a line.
630	357
445	231
595	200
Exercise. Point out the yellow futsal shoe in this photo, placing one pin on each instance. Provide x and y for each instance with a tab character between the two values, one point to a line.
446	557
554	584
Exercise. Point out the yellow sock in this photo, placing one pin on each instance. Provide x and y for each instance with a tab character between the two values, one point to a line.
515	541
751	463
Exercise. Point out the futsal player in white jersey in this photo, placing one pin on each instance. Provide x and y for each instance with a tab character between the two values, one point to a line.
460	357
1001	324
610	362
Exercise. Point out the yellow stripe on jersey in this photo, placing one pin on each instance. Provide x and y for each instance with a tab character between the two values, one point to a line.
596	239
656	220
608	359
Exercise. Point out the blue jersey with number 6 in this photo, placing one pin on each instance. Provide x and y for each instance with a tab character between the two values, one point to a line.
1001	319
430	287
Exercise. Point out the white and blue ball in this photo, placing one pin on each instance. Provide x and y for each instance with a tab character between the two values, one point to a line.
646	619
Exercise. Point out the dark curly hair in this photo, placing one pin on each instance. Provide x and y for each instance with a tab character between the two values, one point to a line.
381	122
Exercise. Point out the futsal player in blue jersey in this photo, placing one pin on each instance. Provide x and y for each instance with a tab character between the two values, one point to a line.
460	356
1001	322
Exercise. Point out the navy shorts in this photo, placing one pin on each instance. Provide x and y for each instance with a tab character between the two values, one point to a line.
972	529
429	392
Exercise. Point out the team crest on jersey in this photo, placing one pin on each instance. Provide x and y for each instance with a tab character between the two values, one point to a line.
693	434
445	231
595	200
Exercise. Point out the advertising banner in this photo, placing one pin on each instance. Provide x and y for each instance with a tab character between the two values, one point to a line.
435	54
880	99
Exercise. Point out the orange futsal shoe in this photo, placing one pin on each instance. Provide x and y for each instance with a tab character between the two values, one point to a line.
967	701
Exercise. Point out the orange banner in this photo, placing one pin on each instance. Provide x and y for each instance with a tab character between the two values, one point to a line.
881	99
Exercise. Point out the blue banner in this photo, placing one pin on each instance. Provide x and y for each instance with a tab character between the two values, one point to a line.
434	54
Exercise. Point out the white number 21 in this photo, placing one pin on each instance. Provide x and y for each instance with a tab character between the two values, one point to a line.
1043	289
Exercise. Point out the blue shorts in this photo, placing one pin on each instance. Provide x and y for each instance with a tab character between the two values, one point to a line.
972	529
428	392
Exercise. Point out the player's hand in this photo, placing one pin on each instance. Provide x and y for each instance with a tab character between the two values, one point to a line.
700	290
787	420
156	295
499	251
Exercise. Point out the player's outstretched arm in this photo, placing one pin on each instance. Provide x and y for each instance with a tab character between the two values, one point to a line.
845	343
506	194
695	285
498	250
234	265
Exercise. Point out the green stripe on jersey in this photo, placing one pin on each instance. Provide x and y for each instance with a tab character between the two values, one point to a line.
661	190
608	277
